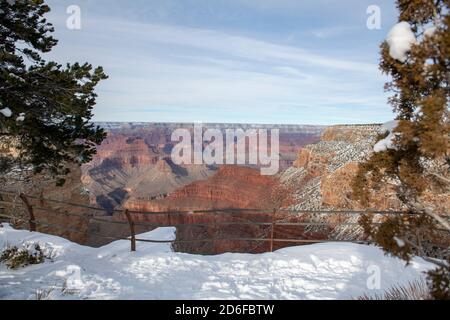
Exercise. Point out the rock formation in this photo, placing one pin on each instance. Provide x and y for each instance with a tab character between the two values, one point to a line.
330	163
321	179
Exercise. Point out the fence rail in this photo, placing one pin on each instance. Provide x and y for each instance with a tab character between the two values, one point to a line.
270	236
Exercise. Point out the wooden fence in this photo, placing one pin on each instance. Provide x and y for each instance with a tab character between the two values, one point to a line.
271	225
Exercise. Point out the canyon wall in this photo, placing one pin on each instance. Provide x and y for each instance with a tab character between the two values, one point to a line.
322	175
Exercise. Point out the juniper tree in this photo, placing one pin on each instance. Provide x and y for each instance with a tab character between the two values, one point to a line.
45	108
416	58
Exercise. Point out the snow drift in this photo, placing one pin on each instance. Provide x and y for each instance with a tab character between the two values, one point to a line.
322	271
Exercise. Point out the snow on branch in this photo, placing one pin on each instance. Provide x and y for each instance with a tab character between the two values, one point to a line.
388	142
6	112
400	39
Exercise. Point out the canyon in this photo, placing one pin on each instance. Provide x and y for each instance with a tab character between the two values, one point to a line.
317	177
133	165
133	171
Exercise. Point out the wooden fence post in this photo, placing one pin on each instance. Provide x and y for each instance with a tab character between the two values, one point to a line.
133	234
32	220
272	231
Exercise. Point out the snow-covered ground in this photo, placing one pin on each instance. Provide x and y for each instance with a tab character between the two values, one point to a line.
322	271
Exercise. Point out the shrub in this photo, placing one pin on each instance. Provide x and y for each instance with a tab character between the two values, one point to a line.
15	258
43	294
439	282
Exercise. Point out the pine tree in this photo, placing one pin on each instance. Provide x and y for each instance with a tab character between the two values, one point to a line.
419	156
45	108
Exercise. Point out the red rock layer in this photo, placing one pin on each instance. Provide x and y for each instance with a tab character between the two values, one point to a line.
124	151
230	187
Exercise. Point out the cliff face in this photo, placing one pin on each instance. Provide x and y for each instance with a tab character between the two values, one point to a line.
336	180
127	152
322	175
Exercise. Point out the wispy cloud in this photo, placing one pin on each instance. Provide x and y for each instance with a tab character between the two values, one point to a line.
170	72
232	45
331	32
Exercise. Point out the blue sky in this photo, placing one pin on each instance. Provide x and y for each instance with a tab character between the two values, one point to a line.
246	61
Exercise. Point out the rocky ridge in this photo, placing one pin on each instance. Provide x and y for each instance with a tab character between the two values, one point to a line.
340	150
321	179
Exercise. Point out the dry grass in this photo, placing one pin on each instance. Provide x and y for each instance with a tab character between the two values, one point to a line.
417	290
43	294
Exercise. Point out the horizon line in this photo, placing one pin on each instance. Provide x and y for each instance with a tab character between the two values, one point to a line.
238	123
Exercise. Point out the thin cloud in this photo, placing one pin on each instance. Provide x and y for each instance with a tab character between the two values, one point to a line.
212	75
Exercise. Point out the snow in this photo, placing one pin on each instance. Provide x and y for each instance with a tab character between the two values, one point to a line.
388	142
6	112
389	126
16	77
21	117
429	32
321	271
399	242
400	39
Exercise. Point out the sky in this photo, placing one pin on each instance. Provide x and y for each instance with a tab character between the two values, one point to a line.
230	61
